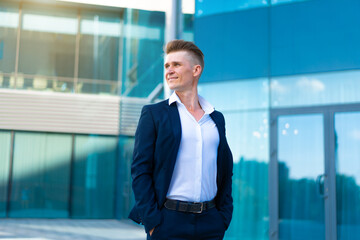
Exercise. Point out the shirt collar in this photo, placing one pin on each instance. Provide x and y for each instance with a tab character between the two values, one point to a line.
205	105
174	98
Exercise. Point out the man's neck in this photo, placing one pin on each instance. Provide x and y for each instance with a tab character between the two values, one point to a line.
190	99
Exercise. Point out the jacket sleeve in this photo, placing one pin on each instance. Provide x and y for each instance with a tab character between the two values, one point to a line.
226	207
142	171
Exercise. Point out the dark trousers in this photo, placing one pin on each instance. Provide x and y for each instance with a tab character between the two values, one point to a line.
177	225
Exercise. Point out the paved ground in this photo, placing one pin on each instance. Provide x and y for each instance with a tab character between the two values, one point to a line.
61	229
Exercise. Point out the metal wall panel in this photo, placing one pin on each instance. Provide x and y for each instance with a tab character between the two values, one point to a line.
130	114
59	112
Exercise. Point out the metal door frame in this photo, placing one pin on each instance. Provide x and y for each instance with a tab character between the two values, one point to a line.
328	113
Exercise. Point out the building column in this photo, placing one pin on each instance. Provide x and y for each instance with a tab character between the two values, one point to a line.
173	29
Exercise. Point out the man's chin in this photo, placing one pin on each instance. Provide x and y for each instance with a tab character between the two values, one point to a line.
172	88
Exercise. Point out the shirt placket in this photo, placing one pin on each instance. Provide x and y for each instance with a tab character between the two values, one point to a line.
198	154
198	162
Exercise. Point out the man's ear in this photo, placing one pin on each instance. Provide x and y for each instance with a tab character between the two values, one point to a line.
197	70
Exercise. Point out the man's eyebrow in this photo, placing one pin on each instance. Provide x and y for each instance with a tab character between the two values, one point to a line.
172	62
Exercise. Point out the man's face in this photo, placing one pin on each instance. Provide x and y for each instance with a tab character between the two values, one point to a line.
180	73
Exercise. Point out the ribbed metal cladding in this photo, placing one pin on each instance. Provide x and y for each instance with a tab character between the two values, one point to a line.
130	113
59	112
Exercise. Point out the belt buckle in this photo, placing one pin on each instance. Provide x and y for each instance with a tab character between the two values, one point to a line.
201	208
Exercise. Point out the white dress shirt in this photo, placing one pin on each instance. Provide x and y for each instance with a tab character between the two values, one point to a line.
195	171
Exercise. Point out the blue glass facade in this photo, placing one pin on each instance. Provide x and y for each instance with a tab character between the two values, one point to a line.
143	68
285	74
74	49
80	50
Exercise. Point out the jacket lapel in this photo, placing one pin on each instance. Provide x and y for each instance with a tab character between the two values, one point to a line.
220	126
175	123
215	117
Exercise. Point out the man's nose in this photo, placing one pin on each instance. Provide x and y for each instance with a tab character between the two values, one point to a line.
169	70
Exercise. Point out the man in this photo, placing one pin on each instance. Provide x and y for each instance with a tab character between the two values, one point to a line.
182	165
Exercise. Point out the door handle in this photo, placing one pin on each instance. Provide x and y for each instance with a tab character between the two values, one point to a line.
320	180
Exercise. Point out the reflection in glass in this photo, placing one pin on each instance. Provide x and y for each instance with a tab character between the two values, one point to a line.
119	53
125	197
247	134
188	29
42	83
99	48
61	85
94	177
46	23
5	149
275	2
210	7
104	87
41	175
143	52
315	89
9	20
301	162
237	95
347	156
47	43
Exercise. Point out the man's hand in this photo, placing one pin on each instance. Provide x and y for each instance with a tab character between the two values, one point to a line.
151	231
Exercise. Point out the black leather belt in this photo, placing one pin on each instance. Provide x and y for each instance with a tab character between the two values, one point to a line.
191	207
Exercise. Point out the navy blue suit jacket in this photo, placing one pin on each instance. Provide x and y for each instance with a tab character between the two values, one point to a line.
157	141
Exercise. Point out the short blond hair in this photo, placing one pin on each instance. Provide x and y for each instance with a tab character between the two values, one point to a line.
181	45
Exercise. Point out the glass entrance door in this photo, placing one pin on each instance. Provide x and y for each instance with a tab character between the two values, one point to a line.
315	173
301	176
347	158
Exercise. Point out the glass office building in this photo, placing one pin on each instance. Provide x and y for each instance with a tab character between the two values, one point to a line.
286	75
73	79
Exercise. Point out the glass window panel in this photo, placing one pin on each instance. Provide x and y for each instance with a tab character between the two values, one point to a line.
41	175
316	89
125	197
301	162
99	46
104	87
247	134
5	149
60	85
47	43
142	52
238	49
188	29
94	177
210	7
42	83
236	95
9	21
347	156
314	36
275	2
